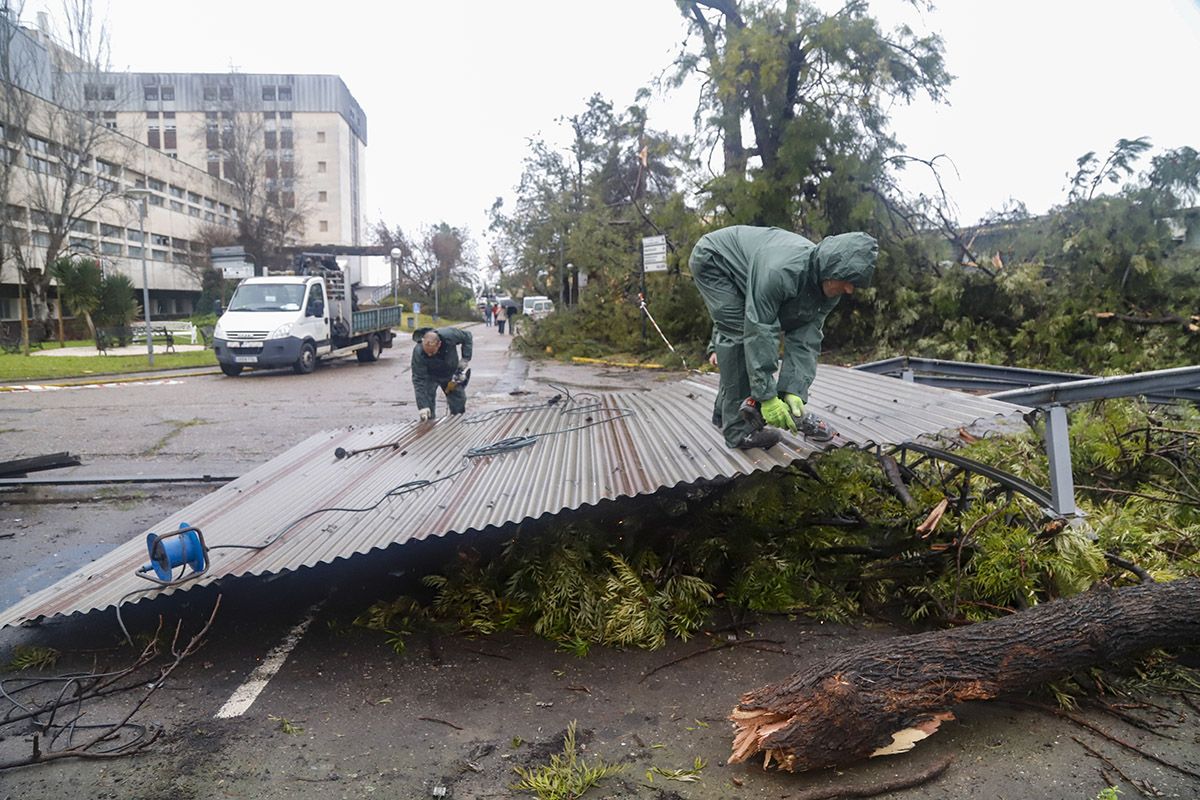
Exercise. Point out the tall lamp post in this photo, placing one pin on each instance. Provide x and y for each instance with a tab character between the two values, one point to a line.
395	268
141	195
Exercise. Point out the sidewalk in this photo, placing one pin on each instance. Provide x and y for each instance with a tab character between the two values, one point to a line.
128	350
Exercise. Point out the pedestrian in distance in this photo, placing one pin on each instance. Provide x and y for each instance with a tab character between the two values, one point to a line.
500	320
511	313
436	364
759	283
487	314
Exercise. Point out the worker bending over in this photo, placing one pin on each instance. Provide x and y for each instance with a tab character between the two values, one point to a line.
757	283
436	362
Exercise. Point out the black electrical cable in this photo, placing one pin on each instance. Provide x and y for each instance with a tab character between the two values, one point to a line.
396	491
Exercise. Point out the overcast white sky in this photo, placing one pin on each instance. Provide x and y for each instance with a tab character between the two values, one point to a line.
452	89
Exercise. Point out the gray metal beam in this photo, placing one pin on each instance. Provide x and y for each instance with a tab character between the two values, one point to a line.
1058	451
1017	376
1169	382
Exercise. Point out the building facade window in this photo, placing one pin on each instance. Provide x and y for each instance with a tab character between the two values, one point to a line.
167	93
226	92
324	226
321	167
285	93
322	197
151	92
210	94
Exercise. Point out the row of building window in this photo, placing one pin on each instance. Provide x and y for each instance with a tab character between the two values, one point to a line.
108	91
85	227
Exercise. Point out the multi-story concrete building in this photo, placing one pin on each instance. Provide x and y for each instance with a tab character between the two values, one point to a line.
163	145
314	135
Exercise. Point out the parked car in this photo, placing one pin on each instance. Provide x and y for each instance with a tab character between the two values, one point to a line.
540	309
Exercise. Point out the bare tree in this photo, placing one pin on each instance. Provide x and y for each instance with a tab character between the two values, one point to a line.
68	162
443	255
258	160
15	70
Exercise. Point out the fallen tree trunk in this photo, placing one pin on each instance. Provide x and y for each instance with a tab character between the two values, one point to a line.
883	697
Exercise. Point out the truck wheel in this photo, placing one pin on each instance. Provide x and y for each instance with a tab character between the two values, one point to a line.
232	370
307	361
371	351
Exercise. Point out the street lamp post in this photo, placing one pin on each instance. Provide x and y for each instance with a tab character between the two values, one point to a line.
142	194
395	268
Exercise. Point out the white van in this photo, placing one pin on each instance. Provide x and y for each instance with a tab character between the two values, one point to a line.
541	309
529	302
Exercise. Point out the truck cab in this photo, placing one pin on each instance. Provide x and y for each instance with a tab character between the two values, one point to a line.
276	321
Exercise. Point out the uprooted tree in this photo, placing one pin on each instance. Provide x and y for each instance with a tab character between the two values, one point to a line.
883	697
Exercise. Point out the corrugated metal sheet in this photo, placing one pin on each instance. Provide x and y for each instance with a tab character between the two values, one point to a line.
587	450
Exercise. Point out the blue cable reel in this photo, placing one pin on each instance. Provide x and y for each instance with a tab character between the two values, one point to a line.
184	547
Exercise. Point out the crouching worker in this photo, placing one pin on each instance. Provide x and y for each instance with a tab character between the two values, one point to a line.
436	363
757	284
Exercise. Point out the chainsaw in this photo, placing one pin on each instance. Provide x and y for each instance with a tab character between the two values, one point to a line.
809	425
459	378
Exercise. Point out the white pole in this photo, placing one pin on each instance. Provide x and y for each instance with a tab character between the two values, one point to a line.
146	286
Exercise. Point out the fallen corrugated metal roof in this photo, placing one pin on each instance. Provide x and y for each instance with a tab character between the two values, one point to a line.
307	506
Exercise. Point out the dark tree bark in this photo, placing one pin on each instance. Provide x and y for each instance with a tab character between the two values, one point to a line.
888	695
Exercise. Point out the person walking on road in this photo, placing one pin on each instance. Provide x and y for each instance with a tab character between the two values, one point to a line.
436	363
758	283
511	313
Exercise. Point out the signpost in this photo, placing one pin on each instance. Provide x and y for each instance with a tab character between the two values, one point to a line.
654	259
654	253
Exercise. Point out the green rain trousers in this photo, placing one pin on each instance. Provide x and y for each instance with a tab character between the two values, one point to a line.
759	283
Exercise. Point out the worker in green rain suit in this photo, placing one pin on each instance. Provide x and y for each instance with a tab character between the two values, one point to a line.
758	283
435	363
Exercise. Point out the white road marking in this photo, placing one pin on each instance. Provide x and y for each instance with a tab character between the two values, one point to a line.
245	695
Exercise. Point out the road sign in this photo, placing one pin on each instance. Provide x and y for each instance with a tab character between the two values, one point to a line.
236	269
654	253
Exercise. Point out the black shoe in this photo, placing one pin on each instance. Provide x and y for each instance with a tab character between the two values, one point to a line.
764	438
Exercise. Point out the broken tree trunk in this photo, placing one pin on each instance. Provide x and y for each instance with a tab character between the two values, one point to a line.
883	697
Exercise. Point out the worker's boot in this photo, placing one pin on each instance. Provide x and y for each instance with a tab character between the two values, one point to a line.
763	437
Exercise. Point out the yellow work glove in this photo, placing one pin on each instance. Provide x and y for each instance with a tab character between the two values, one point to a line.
795	404
775	413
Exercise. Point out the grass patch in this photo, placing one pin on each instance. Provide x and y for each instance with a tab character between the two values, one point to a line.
16	367
566	776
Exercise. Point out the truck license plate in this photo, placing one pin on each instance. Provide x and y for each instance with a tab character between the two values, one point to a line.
246	359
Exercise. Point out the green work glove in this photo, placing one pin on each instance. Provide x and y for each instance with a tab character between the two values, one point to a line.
775	413
794	403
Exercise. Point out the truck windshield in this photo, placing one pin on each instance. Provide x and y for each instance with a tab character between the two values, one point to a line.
267	297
